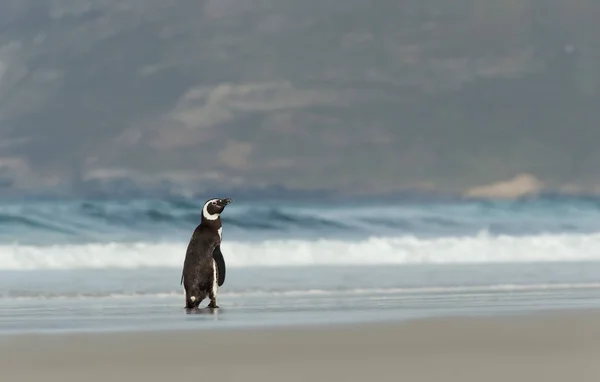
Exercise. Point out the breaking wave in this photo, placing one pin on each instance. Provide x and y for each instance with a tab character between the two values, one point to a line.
482	248
154	233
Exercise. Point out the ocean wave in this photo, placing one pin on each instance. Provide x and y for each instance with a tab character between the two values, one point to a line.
142	220
482	248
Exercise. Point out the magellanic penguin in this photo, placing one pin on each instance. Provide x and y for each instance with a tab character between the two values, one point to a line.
204	265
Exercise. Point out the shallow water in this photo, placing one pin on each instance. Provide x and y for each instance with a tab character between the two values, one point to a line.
148	299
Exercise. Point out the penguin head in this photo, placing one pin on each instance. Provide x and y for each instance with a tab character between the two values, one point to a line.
214	207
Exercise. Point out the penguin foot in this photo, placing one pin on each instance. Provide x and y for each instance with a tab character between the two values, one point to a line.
213	305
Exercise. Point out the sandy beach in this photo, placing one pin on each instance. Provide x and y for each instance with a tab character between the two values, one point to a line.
542	347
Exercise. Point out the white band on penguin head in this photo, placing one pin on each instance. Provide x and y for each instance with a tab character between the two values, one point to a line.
205	212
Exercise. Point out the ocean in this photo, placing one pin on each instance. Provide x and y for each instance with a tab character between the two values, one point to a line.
116	265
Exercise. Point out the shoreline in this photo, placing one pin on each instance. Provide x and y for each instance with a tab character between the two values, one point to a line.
156	314
550	346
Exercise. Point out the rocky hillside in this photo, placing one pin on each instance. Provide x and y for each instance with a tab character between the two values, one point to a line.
306	94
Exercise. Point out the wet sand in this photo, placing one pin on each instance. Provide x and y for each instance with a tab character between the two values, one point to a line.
543	347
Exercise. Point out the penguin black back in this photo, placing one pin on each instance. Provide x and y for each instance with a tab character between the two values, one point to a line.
204	266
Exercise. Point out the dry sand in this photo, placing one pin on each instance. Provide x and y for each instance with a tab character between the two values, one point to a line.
550	347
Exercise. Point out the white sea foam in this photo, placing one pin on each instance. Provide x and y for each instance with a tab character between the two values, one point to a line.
401	250
420	291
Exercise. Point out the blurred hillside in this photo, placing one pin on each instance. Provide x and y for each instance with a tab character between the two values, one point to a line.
364	97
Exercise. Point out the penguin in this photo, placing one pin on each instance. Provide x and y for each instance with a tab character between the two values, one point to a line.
204	266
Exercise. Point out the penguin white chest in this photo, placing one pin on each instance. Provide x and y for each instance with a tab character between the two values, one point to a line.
215	284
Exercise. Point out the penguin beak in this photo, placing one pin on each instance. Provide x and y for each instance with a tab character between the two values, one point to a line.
224	202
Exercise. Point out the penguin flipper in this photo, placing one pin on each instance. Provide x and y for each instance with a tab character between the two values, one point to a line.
220	261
